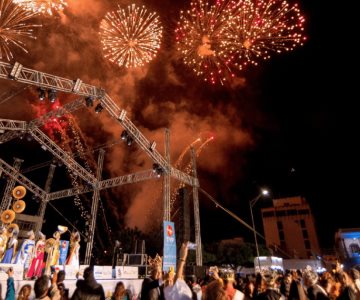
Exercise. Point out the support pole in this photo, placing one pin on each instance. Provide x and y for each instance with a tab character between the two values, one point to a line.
43	204
94	208
167	194
6	200
196	212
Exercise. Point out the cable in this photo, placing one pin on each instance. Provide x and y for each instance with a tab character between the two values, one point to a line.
231	213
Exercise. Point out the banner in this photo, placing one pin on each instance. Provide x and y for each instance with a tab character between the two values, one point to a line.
169	259
64	248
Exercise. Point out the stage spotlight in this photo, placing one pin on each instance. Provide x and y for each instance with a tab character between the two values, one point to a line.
99	108
158	169
89	101
28	137
52	95
129	141
42	94
124	135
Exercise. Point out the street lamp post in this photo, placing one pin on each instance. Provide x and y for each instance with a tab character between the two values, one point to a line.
251	204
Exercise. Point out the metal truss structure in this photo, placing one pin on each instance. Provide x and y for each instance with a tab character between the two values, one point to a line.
7	197
12	128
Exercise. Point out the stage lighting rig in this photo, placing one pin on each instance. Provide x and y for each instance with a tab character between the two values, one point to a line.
98	108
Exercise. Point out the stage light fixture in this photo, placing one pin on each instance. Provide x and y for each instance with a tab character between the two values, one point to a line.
89	101
52	95
124	135
129	141
98	108
42	94
157	169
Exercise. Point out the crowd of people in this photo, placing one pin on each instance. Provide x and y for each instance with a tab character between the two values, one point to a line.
217	285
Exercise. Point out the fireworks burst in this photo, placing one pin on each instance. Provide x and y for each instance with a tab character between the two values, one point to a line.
202	42
49	7
14	28
264	27
130	37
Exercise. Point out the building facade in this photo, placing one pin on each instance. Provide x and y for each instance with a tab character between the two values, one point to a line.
290	227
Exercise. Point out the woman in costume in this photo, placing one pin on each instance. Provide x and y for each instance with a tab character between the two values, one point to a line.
26	251
10	247
73	258
37	264
54	251
3	241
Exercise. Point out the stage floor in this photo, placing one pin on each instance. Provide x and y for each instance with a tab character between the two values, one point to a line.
134	285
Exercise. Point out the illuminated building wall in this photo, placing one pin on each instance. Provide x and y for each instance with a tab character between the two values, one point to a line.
289	225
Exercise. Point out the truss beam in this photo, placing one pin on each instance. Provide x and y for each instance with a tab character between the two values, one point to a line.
13	173
44	80
50	145
66	109
105	184
6	124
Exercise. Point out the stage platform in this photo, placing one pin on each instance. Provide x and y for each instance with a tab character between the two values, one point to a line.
134	285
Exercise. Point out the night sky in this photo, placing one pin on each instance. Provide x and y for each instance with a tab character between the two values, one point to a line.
288	124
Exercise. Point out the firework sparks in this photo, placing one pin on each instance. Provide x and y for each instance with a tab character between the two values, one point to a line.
264	27
49	7
188	166
130	37
14	28
202	42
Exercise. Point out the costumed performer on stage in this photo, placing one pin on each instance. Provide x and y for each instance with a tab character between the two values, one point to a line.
73	258
37	263
11	247
26	251
54	252
3	241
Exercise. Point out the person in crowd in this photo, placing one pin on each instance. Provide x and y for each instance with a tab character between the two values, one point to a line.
64	292
24	293
120	292
37	263
42	289
313	289
195	288
25	253
10	288
151	288
229	280
88	288
215	291
177	287
296	291
272	287
348	290
249	289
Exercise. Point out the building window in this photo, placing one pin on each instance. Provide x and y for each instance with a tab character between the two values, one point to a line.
302	223
268	214
281	235
280	225
303	212
307	245
281	213
292	212
305	234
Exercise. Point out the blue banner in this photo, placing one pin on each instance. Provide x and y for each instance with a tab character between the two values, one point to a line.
64	248
169	259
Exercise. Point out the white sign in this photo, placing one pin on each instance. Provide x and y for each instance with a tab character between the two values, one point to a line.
18	271
123	272
103	272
